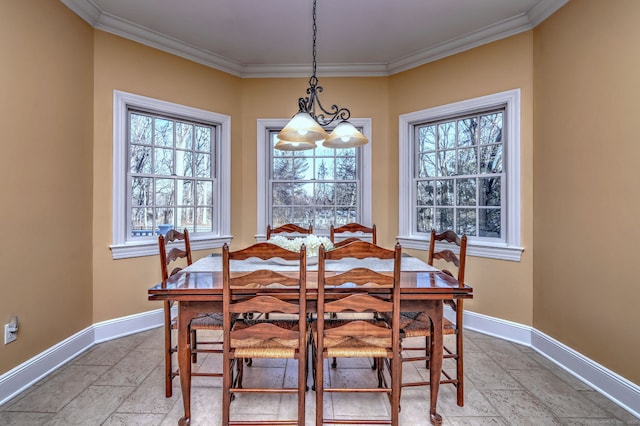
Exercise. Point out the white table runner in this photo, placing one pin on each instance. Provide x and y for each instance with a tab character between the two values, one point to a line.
214	264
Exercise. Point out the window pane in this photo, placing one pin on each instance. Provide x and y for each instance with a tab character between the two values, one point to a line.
324	217
302	194
325	194
346	194
282	168
140	160
184	195
163	161
466	222
203	138
141	191
302	168
346	168
164	192
489	192
204	219
427	138
491	128
204	194
424	196
466	191
163	135
447	135
203	165
444	219
427	165
282	194
467	129
184	163
491	159
140	129
184	136
467	161
344	216
444	192
164	216
324	169
447	163
141	220
424	220
489	223
281	215
302	216
185	219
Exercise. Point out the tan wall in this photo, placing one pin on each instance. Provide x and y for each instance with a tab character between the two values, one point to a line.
586	181
120	286
46	115
502	289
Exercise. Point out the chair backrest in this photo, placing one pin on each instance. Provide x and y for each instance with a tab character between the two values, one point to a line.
176	252
351	229
289	229
458	260
360	290
264	291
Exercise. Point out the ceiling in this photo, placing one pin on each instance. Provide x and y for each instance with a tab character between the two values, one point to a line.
273	38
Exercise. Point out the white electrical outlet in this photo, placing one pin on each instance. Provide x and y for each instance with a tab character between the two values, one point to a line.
9	336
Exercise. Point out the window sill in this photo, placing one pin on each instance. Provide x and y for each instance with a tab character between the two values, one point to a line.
489	250
150	247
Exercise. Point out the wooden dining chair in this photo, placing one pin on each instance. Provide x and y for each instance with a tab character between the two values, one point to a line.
358	290
263	291
418	324
354	231
179	250
289	229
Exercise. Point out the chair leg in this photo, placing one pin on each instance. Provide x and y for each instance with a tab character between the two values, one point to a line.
194	347
459	368
227	382
168	367
319	387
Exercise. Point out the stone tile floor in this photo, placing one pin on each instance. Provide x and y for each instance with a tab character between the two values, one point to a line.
120	382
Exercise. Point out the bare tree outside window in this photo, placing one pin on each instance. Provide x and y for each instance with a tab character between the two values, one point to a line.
171	174
459	175
315	187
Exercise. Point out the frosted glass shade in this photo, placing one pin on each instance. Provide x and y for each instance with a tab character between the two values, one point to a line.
302	132
345	136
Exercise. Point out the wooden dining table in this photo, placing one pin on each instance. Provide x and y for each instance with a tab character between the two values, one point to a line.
198	291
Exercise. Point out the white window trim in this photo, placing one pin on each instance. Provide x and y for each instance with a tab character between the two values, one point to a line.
120	247
263	173
508	250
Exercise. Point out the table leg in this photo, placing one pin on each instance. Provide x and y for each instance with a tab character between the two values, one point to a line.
184	361
435	368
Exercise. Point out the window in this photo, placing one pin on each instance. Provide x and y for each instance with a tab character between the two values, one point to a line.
171	170
460	164
317	187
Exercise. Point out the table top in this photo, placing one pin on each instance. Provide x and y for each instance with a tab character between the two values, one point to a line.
204	277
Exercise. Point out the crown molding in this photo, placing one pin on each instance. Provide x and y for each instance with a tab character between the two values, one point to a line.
88	11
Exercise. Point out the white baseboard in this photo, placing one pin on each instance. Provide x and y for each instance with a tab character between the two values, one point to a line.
29	372
613	386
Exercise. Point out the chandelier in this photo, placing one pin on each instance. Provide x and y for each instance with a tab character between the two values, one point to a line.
306	127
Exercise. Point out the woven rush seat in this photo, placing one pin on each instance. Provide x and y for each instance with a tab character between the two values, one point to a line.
206	322
265	348
418	324
349	346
